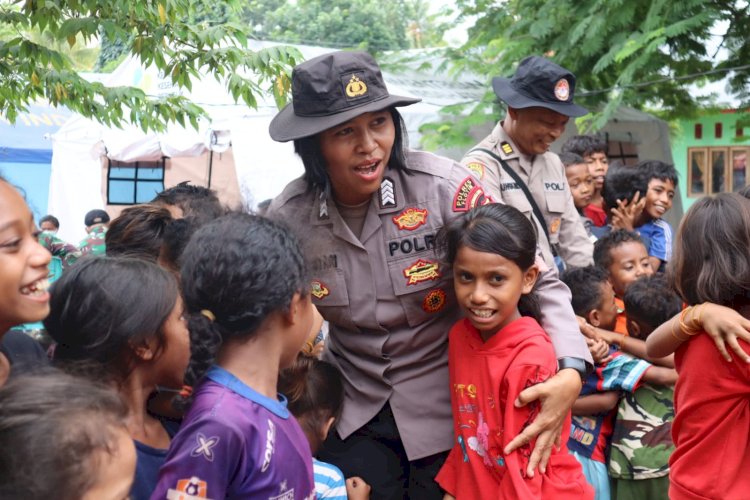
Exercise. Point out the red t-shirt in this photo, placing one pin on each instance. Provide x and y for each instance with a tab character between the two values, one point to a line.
596	213
711	428
485	380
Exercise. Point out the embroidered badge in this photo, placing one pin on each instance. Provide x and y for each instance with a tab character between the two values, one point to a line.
469	195
205	447
506	148
356	87
188	489
562	89
434	301
477	168
387	193
319	289
554	226
411	218
422	270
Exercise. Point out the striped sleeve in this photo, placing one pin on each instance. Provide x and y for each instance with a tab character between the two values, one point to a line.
622	372
329	481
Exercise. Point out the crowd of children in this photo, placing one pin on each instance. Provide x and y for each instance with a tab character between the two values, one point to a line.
184	360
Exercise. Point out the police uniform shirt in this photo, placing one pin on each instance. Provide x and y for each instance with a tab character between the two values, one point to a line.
390	303
545	177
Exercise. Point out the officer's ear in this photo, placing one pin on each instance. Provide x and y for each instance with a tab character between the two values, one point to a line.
513	113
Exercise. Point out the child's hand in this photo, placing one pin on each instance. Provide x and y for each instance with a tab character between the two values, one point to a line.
587	329
599	350
725	326
448	496
625	215
357	488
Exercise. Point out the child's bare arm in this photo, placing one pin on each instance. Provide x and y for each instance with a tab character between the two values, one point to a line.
655	262
658	375
635	347
596	403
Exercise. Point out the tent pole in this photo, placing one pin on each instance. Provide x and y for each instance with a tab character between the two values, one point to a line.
210	166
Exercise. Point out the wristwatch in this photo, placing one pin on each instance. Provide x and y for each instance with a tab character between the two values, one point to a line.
581	366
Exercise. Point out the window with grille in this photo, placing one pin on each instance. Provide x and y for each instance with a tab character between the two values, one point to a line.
717	170
133	183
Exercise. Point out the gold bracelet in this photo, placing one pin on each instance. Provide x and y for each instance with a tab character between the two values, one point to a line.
674	330
687	330
696	326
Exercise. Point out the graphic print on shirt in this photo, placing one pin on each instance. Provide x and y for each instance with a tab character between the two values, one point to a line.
205	447
474	433
188	489
270	445
284	492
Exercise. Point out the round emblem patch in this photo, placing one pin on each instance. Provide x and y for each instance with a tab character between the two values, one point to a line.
434	301
562	89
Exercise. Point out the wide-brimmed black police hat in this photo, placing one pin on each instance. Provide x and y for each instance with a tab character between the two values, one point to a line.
330	90
538	82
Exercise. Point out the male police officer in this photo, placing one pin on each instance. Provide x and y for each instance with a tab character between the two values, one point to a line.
514	163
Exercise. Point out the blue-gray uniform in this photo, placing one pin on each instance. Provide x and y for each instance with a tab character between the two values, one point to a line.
545	176
390	303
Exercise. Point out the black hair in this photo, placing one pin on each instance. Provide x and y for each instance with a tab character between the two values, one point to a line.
570	159
239	268
194	201
316	171
314	390
585	287
604	246
101	306
710	261
622	183
138	232
659	170
53	428
50	218
585	145
651	301
493	228
745	191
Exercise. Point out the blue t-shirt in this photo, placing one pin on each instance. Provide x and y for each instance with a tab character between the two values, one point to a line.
329	481
236	443
149	461
658	235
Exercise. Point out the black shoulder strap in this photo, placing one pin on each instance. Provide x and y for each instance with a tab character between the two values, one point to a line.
524	188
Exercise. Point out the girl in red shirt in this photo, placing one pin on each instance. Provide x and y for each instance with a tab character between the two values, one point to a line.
494	353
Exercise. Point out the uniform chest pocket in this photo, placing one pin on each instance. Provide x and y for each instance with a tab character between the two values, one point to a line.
555	202
421	286
330	295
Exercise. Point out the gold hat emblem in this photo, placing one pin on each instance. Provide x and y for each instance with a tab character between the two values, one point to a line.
356	87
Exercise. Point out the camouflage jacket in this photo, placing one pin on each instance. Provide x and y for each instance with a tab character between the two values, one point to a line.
93	243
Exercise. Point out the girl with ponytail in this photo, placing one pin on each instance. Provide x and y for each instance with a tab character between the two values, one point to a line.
249	313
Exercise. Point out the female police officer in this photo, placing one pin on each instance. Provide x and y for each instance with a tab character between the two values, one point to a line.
367	211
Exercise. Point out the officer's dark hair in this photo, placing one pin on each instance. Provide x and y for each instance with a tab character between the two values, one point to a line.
194	201
651	301
585	145
316	171
54	429
52	219
138	232
493	228
570	159
585	287
102	307
239	269
604	246
622	182
659	170
710	261
315	393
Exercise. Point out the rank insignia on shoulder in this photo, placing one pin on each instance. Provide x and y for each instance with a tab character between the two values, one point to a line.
434	301
469	195
387	193
318	289
422	270
477	168
506	148
411	218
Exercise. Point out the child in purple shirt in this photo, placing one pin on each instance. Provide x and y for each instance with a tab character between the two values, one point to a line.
249	314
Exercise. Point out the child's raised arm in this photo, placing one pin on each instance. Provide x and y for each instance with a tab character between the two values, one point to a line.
723	324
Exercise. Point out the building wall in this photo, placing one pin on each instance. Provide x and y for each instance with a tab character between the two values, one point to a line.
724	166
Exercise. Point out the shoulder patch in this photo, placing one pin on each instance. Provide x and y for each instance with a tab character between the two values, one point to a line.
477	168
411	218
469	195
